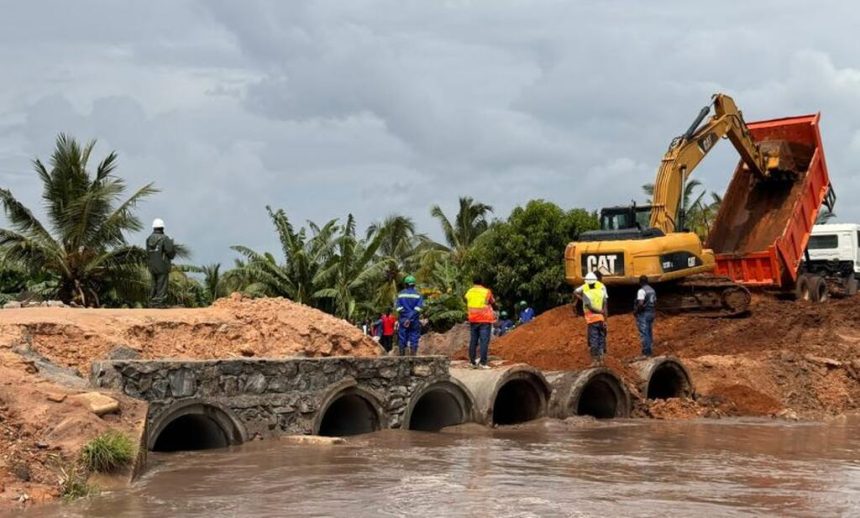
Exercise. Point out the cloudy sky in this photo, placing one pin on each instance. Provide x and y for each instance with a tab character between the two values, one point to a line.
377	107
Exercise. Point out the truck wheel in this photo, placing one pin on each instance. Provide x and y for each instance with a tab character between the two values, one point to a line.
851	285
801	291
818	289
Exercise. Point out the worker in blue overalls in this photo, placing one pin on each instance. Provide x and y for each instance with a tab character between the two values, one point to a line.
409	306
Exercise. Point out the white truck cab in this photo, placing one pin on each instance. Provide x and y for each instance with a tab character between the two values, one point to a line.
836	242
833	254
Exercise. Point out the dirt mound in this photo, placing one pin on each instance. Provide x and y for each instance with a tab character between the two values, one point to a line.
448	343
679	408
232	327
786	355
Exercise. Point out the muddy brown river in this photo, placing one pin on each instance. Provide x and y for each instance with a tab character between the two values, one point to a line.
545	468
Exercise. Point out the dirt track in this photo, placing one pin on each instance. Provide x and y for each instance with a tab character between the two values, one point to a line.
786	357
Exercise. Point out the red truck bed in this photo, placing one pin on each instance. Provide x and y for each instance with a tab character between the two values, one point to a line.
761	230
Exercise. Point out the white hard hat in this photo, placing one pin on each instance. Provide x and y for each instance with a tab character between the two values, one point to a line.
158	223
591	277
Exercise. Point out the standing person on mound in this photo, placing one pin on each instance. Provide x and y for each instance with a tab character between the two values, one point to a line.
645	311
479	305
409	306
594	301
160	251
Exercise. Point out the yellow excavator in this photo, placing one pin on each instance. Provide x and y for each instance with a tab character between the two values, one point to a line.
652	240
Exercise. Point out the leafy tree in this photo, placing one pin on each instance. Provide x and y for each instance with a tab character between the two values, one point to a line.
298	277
446	287
523	257
399	248
349	271
213	286
471	221
86	248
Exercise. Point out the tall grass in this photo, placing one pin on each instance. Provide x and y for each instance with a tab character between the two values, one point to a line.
108	452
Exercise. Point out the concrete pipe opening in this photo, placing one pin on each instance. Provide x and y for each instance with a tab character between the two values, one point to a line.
438	406
517	401
669	379
195	427
349	413
602	397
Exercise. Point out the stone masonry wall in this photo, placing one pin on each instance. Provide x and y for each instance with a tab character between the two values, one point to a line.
271	397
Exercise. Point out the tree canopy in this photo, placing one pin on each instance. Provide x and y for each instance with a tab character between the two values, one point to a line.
523	256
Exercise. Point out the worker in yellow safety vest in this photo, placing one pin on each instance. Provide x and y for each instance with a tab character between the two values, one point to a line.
479	305
594	301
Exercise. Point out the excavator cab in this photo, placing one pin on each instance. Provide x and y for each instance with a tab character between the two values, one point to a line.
630	222
621	218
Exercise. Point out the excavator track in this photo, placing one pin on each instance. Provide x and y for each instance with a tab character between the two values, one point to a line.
704	295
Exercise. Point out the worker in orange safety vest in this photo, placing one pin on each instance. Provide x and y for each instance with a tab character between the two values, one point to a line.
594	301
479	305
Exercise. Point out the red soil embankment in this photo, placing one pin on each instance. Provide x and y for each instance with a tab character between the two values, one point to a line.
786	356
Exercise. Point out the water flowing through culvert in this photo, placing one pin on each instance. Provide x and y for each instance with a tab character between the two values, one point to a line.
349	414
544	468
518	401
438	406
191	432
599	399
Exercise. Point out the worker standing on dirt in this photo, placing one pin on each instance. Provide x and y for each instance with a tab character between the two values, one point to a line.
409	306
645	311
160	252
385	328
527	314
594	301
479	305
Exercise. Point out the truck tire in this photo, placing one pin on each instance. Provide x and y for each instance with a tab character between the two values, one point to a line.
851	285
818	289
802	291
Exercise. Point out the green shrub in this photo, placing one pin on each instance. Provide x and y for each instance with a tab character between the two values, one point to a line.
108	452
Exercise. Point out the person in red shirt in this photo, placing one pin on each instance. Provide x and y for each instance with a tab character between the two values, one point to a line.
385	325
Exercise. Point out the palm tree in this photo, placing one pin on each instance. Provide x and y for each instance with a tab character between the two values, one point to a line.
691	203
214	285
399	249
298	277
86	248
349	271
471	221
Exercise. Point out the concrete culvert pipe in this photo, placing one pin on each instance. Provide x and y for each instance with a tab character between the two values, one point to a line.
440	404
506	395
598	392
195	426
664	377
349	412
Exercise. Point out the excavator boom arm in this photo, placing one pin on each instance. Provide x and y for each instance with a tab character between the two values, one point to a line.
688	150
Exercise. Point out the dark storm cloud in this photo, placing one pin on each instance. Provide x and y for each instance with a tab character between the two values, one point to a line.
326	108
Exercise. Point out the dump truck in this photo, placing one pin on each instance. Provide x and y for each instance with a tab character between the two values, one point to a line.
654	241
761	231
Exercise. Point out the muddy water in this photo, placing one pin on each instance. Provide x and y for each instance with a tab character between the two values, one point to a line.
546	468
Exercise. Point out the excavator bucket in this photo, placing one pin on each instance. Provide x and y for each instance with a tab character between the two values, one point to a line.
782	159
